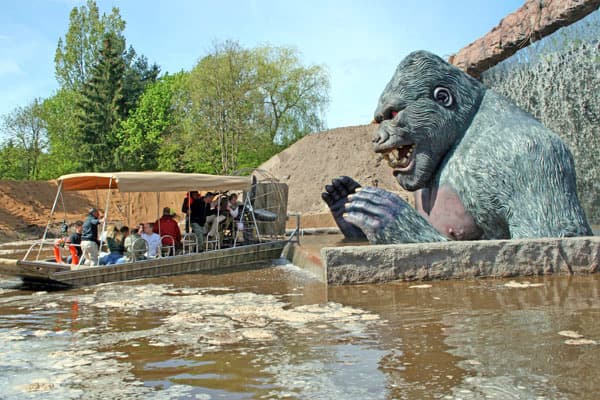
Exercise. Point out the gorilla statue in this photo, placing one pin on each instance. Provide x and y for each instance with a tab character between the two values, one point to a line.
479	166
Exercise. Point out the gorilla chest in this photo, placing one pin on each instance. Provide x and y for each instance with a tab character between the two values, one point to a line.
445	211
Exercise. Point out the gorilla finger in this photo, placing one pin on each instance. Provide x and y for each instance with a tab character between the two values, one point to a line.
366	207
333	193
384	195
327	198
373	198
363	221
340	187
349	183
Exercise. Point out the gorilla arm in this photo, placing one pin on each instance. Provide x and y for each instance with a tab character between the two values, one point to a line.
386	218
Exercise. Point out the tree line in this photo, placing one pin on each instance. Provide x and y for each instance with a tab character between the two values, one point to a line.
114	110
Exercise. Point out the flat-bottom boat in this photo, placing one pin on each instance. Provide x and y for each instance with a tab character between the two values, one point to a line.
52	272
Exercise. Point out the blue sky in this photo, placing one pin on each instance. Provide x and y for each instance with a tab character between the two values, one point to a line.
359	42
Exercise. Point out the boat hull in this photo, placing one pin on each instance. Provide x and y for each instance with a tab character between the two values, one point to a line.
216	260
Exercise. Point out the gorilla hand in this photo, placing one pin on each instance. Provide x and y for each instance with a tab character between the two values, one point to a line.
386	218
336	196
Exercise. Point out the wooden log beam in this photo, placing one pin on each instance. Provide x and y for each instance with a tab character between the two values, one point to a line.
530	23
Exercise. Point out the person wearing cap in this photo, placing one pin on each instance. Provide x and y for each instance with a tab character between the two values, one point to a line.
89	237
168	228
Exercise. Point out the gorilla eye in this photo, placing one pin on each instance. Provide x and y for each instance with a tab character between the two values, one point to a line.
443	96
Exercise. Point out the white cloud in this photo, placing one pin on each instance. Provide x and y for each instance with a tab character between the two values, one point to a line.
9	68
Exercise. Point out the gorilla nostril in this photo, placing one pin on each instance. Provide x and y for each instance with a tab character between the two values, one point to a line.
379	118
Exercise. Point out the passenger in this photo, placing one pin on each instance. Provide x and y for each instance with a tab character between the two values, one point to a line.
152	239
116	246
186	206
235	210
75	240
168	228
89	237
217	215
199	210
124	233
135	246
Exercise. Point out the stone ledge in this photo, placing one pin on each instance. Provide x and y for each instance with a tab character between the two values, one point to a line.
461	260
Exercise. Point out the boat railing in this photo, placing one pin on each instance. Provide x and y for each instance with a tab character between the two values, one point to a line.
139	249
295	235
189	243
167	246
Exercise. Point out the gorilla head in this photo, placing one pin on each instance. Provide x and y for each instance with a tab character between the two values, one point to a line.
422	113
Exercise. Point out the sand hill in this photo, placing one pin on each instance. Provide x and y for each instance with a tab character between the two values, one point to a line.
309	164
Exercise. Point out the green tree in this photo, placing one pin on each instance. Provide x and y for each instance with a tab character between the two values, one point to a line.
64	137
101	108
295	96
246	104
26	132
143	133
138	75
11	161
77	53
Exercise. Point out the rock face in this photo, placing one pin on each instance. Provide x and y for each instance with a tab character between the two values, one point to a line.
534	20
461	260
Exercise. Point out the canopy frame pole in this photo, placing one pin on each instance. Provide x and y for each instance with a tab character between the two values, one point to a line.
105	214
129	209
188	213
58	193
158	213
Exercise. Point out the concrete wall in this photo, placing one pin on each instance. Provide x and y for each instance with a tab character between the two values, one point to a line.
461	260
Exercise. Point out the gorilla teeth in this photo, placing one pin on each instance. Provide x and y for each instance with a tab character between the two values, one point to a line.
399	157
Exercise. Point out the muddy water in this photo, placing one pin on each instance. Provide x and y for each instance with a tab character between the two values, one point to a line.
277	333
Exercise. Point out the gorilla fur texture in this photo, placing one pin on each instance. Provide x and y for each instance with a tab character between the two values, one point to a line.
480	167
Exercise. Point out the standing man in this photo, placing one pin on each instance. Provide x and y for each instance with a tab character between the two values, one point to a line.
89	237
199	210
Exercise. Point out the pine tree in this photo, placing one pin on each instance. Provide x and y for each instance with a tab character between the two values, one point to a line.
102	107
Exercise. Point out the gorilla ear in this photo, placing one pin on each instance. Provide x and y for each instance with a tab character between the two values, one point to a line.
443	96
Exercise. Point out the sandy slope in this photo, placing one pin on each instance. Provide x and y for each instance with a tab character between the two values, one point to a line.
311	163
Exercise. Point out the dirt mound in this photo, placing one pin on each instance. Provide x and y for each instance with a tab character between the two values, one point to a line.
309	164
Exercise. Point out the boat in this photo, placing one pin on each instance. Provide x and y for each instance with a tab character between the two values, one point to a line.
219	255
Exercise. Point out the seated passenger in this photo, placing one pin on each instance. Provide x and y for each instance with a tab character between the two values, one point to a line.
135	246
152	239
75	240
167	226
116	246
217	215
235	210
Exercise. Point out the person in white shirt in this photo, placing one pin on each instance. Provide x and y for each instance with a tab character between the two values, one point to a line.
234	211
153	240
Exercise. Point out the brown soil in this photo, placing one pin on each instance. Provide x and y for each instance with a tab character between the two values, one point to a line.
312	162
307	166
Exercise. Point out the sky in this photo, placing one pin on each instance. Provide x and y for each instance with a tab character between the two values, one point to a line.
360	43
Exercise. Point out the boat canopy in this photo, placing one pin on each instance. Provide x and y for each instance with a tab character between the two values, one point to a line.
152	181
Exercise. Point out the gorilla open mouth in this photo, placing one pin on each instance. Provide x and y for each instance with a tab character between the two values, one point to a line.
400	158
